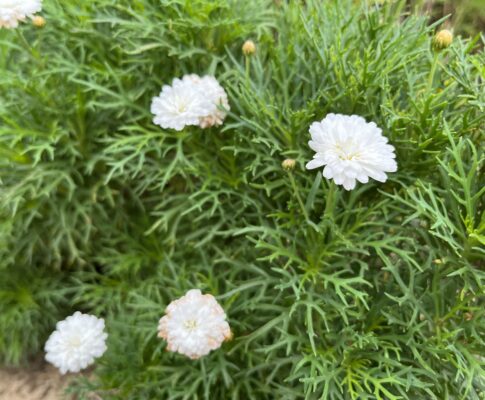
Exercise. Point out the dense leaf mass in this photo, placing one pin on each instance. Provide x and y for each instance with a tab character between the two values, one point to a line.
376	293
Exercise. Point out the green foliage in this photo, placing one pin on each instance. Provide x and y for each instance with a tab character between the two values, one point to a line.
371	294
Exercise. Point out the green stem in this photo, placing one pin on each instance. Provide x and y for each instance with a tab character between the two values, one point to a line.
330	204
248	68
34	53
432	72
436	294
297	194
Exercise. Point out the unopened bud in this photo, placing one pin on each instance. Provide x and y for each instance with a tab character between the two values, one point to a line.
468	316
38	21
249	48
442	39
288	164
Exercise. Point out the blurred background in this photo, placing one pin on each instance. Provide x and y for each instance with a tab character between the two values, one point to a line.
467	16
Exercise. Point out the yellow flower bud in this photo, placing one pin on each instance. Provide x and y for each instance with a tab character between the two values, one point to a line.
288	164
38	21
442	39
249	48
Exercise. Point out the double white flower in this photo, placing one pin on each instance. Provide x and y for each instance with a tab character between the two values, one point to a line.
351	150
14	11
192	100
76	343
194	325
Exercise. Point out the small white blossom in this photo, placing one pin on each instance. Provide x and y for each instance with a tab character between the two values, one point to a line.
351	150
179	105
191	100
215	97
14	11
194	325
76	343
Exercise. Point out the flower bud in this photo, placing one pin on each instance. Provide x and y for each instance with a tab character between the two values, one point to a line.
249	48
288	164
442	39
38	21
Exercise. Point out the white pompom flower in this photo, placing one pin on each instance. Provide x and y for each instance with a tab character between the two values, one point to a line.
194	325
76	343
179	105
351	150
190	101
14	11
215	96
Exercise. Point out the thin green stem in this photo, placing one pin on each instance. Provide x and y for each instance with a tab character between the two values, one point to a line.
432	72
248	67
33	52
297	195
436	298
330	204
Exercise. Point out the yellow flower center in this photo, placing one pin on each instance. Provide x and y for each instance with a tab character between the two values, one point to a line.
343	155
74	342
190	324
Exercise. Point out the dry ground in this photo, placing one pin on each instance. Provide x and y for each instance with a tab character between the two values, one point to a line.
38	382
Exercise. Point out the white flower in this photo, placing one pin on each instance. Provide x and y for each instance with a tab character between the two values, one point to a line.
179	105
215	96
76	342
351	150
191	100
13	11
194	325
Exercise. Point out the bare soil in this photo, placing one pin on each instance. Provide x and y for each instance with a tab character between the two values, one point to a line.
37	382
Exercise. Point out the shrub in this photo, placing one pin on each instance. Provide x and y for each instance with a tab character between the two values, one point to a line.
369	294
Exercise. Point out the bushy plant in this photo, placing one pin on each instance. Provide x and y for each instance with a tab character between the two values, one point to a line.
375	293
